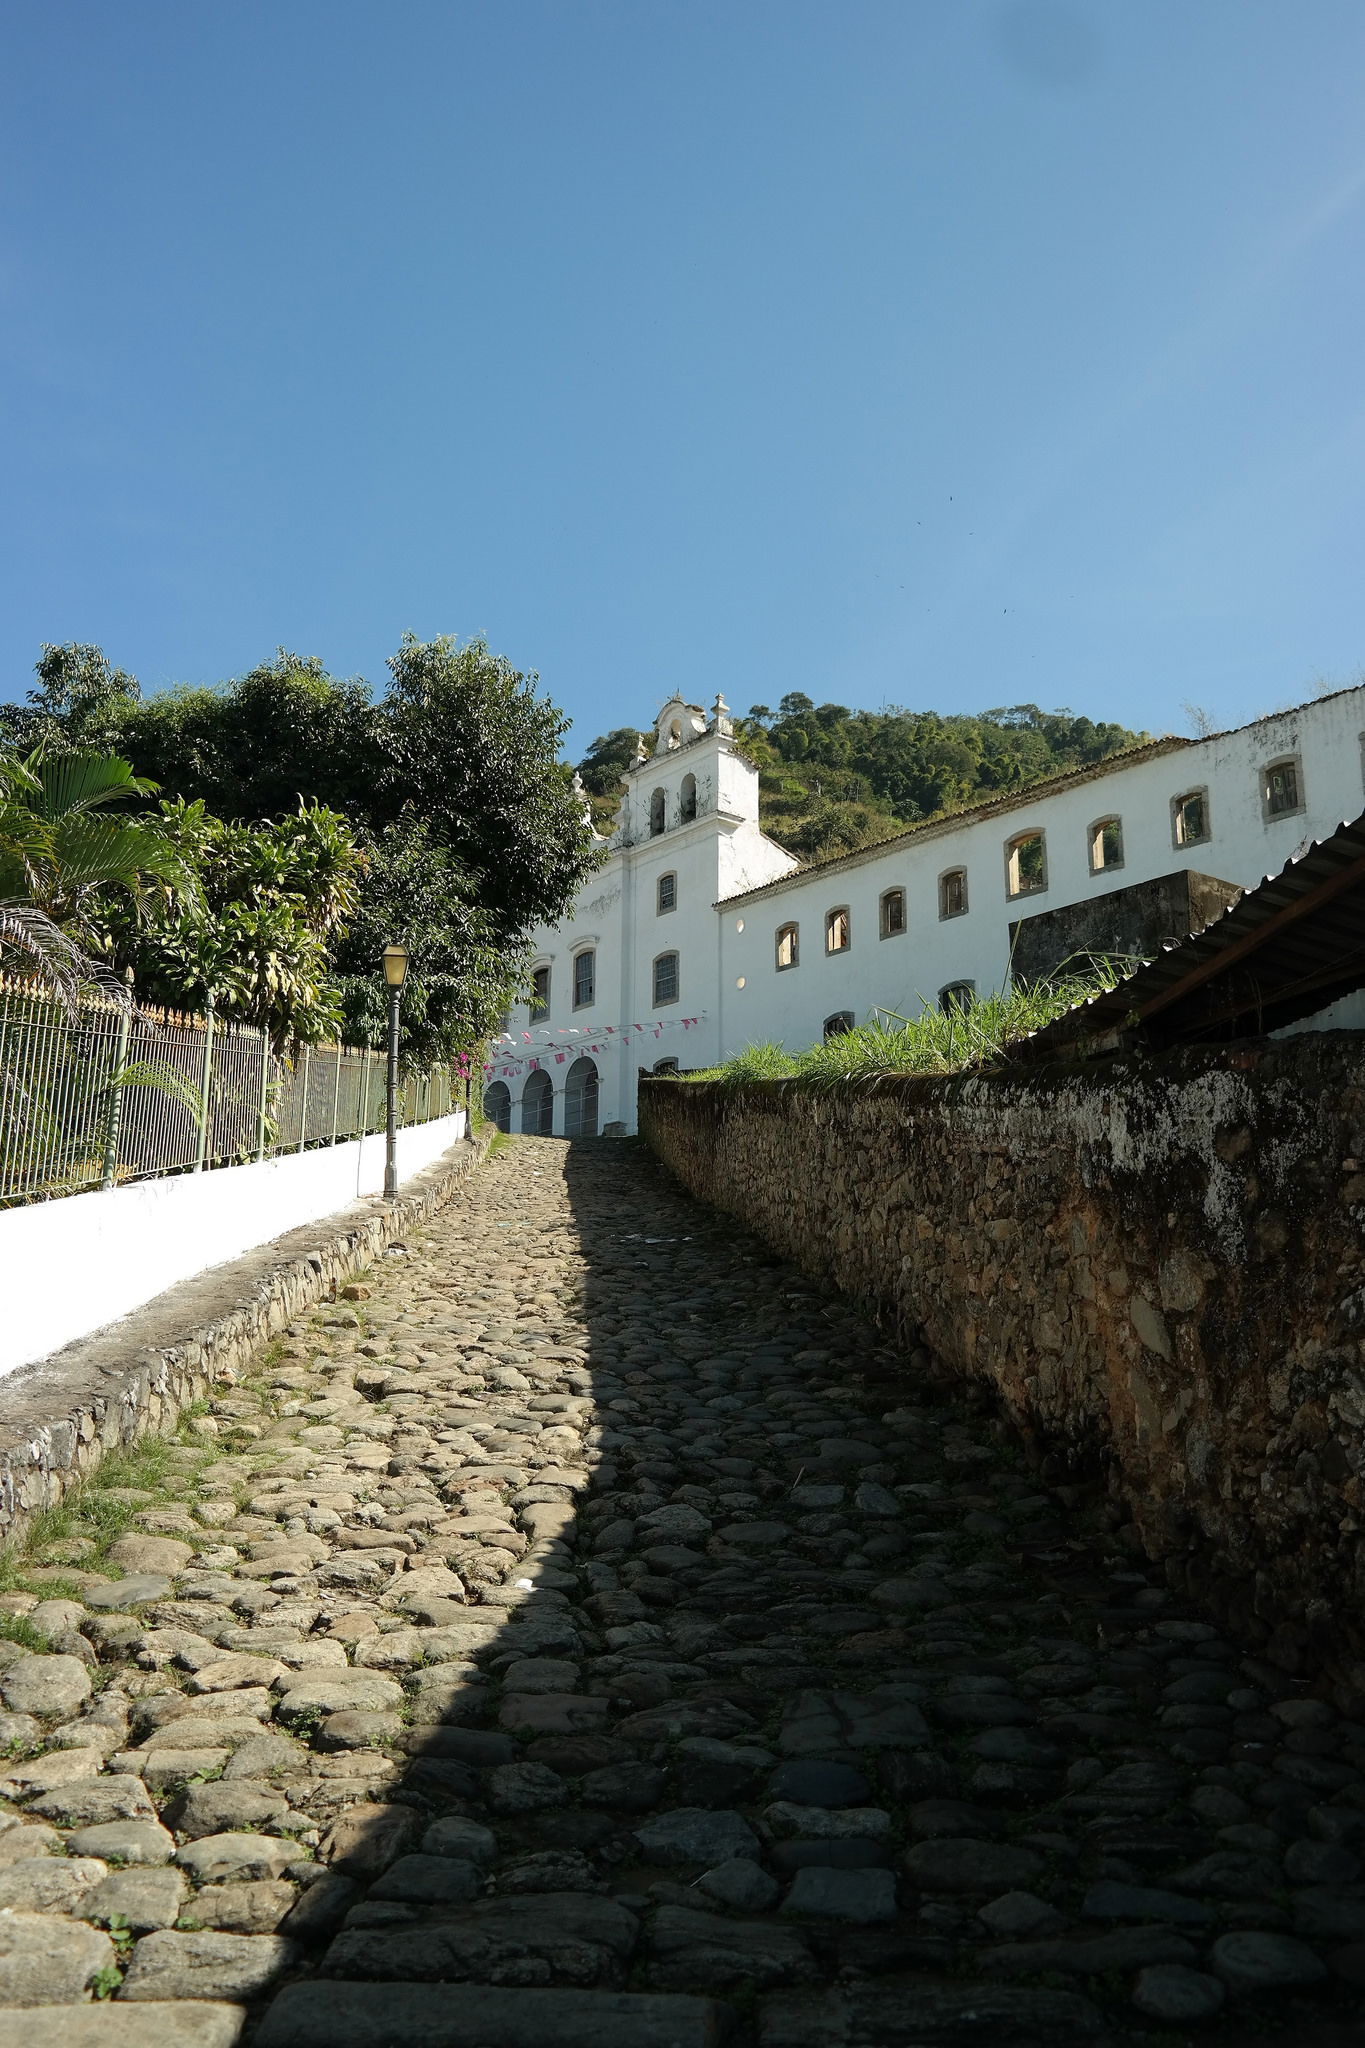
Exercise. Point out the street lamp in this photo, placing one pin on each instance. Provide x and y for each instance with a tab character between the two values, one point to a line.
395	969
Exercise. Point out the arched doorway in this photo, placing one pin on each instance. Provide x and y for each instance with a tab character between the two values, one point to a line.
580	1100
537	1105
497	1105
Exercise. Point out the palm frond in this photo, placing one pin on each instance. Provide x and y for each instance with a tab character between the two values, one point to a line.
56	963
88	852
75	783
153	1074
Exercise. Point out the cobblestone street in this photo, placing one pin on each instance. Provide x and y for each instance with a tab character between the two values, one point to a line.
593	1636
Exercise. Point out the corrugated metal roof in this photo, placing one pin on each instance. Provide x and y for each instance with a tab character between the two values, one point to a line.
1284	950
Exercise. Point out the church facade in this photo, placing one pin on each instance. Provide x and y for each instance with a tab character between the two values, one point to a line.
700	935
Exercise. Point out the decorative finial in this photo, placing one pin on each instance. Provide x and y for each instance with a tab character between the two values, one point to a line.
722	721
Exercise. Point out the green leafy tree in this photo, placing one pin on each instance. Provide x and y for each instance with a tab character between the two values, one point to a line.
462	740
258	941
257	747
60	852
80	703
475	754
607	760
462	975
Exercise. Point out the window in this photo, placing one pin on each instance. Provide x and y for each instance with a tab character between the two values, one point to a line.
959	995
1106	845
584	978
788	946
952	893
665	979
687	808
839	1023
1282	788
656	813
1190	817
1025	865
838	936
665	1066
540	994
667	897
893	913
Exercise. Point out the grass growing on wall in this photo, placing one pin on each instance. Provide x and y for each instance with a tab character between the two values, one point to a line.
968	1035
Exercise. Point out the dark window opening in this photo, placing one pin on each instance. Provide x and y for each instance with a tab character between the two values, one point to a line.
952	893
540	994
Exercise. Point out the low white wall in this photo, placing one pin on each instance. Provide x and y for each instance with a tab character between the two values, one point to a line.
74	1265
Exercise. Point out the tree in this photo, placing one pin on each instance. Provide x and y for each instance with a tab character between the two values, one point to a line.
60	854
80	702
462	739
463	975
474	753
258	746
607	760
257	941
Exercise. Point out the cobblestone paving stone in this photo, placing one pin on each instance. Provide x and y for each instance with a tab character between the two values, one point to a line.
594	1634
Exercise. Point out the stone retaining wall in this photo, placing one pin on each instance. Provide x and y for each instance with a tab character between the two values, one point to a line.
58	1417
1156	1265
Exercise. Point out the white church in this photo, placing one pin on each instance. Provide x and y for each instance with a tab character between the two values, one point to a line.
700	935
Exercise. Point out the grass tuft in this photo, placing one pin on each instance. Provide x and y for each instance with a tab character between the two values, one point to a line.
962	1039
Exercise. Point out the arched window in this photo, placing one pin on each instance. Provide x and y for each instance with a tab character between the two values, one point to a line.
893	913
665	1066
952	893
788	945
1025	864
1106	845
540	994
838	930
667	897
665	979
657	813
537	1105
1190	818
839	1023
958	995
584	978
497	1105
687	806
580	1100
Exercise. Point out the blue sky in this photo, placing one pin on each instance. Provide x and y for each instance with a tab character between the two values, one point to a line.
951	354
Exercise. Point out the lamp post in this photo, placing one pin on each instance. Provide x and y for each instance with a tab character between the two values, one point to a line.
395	968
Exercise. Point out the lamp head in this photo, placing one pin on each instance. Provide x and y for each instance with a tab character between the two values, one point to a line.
395	965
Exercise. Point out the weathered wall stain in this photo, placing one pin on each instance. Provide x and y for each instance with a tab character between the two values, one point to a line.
1156	1263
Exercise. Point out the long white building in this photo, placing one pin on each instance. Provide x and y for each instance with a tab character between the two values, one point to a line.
701	935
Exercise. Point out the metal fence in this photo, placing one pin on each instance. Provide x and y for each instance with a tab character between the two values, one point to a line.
106	1095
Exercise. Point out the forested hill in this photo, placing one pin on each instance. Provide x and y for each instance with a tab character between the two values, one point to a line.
832	780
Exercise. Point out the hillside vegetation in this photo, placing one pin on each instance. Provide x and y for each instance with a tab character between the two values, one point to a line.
832	780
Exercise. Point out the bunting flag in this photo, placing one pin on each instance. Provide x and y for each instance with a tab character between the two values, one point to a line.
512	1061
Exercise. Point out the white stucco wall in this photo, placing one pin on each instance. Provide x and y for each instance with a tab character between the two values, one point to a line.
726	948
906	972
72	1266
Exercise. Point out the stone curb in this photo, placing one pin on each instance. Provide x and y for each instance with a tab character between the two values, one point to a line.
60	1415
